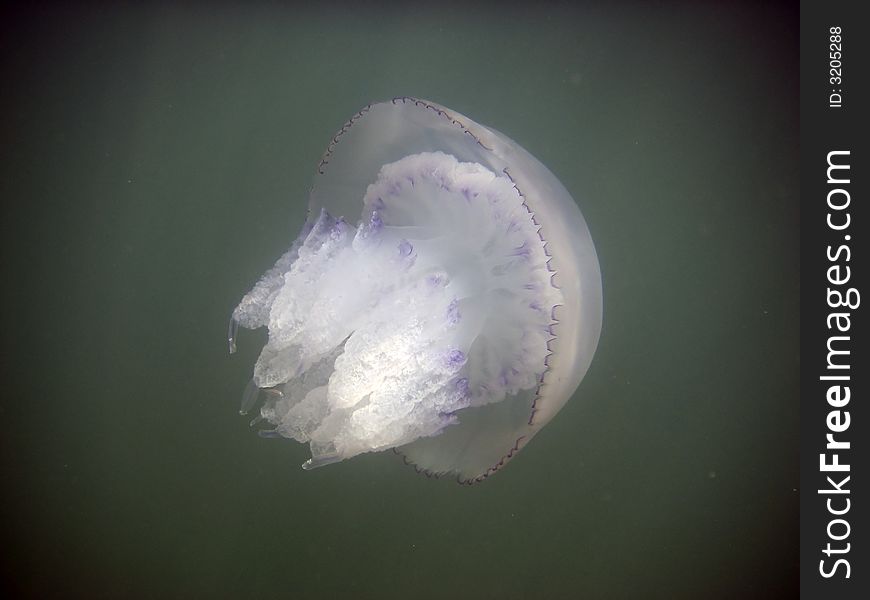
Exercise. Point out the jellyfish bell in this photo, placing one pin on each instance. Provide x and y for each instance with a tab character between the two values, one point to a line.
443	299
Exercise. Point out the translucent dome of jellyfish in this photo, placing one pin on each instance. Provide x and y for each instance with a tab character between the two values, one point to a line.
443	298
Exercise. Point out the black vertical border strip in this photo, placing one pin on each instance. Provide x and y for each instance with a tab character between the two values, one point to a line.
825	129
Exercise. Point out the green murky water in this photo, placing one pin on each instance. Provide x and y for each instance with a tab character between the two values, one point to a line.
155	162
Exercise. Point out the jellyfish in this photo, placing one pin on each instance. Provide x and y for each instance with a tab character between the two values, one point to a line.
442	300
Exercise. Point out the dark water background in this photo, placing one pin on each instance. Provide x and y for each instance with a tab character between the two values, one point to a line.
156	160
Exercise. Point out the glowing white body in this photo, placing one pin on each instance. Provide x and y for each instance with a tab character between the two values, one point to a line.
443	299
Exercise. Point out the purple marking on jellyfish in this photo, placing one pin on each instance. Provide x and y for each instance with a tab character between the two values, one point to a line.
436	280
405	248
535	305
522	251
446	420
376	223
339	229
453	314
462	387
455	359
530	286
